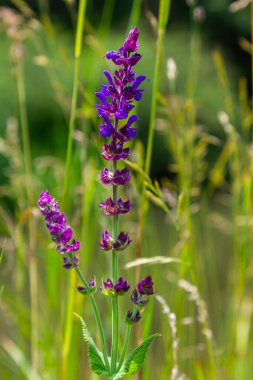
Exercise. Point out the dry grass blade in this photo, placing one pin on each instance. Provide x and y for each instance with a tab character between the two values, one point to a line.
152	260
202	314
172	319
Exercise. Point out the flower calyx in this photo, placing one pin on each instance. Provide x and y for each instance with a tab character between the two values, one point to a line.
133	316
92	288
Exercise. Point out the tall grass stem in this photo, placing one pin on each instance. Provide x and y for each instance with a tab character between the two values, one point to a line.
78	50
135	14
31	225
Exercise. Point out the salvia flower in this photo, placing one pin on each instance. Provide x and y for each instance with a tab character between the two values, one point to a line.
88	290
119	289
117	97
60	231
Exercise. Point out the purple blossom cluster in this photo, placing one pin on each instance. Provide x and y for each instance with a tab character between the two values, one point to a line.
60	231
107	243
117	99
119	289
140	298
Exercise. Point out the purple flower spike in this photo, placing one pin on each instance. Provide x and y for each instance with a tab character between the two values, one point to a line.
110	208
119	289
60	231
118	178
123	57
145	286
133	317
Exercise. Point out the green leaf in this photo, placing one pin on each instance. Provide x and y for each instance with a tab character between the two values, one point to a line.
135	359
94	355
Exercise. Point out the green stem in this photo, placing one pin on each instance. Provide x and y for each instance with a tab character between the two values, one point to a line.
125	345
106	18
115	308
78	49
31	225
24	130
97	317
115	334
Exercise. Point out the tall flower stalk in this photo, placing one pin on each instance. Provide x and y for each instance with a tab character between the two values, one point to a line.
116	103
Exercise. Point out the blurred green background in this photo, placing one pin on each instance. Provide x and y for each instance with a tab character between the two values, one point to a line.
199	219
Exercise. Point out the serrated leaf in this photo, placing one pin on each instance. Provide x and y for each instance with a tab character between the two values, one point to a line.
135	359
95	357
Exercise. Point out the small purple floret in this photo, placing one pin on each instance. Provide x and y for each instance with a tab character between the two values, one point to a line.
118	178
115	152
133	317
66	248
119	289
106	242
145	286
131	43
110	208
119	244
121	286
122	242
47	203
